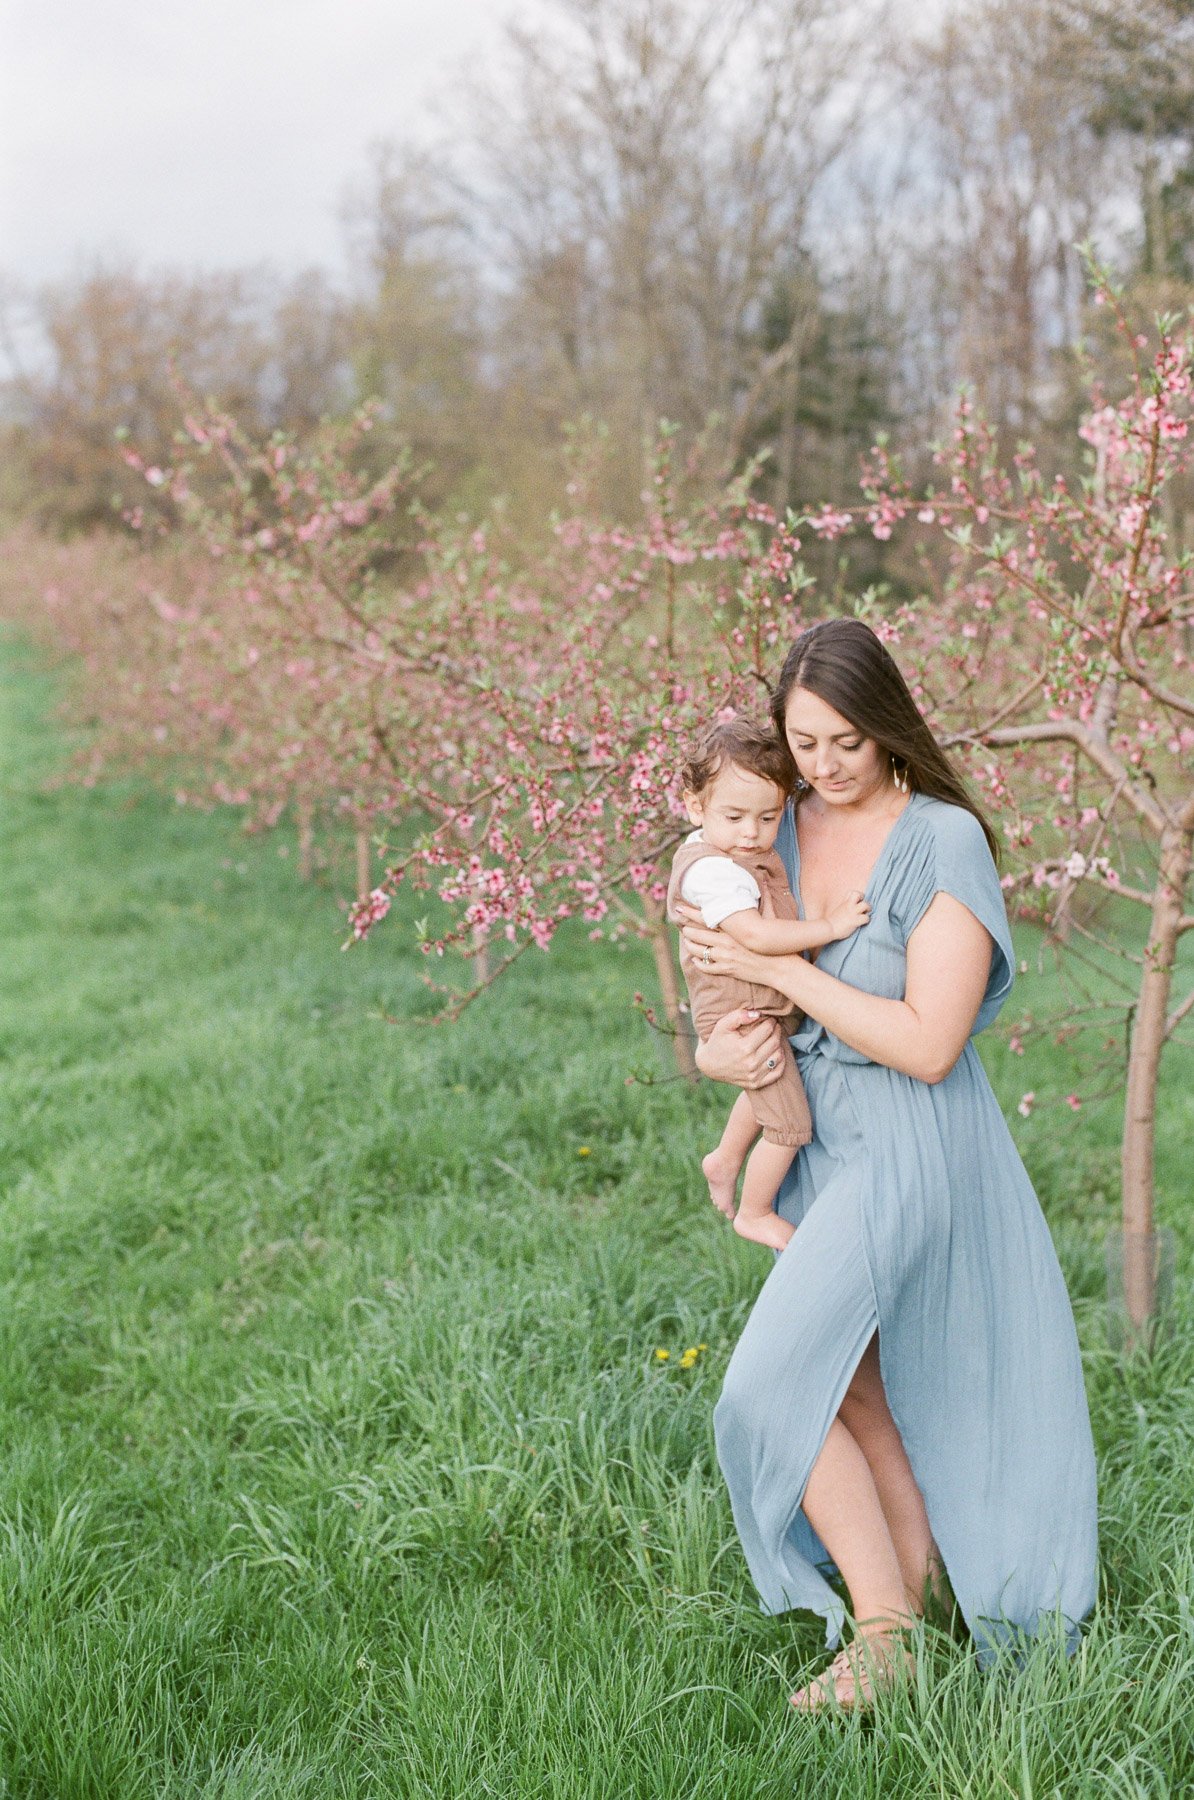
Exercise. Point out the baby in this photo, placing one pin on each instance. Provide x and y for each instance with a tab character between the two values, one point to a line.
735	786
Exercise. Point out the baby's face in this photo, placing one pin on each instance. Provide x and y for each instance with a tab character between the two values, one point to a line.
738	810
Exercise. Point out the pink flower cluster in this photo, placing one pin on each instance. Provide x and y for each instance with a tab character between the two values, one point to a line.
364	914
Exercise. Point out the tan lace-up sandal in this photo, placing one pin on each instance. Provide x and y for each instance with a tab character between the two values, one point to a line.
873	1662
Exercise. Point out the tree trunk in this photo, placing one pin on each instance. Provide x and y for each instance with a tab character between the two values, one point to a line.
670	989
306	839
364	865
1148	1041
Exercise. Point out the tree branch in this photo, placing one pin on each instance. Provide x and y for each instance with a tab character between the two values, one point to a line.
1073	732
1179	1013
1013	705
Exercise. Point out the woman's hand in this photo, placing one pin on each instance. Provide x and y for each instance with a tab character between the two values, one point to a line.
717	951
743	1048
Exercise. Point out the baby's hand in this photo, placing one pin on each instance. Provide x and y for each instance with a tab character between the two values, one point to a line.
853	912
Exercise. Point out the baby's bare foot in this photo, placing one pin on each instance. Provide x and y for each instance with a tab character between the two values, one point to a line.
765	1228
723	1183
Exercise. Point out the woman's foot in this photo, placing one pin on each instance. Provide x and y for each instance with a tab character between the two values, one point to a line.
723	1182
875	1662
766	1228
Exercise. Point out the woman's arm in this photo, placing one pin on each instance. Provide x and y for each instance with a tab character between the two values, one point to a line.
922	1035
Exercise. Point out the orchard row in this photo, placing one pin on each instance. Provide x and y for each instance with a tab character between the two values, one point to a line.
503	723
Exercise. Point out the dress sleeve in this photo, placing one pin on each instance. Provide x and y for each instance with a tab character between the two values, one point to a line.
719	887
953	857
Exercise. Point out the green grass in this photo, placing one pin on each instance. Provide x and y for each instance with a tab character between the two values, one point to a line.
337	1459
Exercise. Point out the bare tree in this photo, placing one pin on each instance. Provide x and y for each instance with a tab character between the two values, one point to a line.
417	329
1137	65
91	357
645	167
1011	177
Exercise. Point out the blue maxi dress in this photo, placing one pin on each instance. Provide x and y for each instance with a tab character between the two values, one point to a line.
915	1217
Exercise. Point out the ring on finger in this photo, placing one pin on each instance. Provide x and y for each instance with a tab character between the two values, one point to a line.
771	1062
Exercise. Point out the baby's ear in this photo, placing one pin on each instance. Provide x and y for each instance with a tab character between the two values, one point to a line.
693	807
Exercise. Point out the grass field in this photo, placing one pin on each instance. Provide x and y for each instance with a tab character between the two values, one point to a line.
338	1460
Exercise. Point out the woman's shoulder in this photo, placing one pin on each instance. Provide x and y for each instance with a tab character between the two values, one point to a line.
941	846
954	830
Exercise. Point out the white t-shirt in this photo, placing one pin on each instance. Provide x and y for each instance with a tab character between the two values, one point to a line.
718	886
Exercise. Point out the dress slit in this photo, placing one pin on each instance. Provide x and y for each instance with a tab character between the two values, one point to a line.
820	1300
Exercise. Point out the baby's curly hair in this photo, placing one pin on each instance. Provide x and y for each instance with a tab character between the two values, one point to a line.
740	741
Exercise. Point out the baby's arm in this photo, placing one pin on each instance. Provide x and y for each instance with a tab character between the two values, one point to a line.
787	937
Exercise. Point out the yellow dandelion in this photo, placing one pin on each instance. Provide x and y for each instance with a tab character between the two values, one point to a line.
663	1355
702	1346
584	1150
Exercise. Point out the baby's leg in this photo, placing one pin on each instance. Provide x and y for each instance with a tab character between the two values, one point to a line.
782	1111
757	1218
723	1166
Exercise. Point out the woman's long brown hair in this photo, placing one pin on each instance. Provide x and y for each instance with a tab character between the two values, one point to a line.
844	664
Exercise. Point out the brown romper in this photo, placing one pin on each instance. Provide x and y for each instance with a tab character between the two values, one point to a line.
782	1108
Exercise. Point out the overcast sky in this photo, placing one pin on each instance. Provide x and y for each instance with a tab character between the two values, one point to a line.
210	132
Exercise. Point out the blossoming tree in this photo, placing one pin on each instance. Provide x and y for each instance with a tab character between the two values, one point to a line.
531	708
1055	654
284	655
559	737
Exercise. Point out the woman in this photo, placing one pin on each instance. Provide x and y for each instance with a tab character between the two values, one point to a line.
906	1402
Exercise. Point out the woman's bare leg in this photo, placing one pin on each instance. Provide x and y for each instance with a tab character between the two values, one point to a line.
723	1166
815	1317
865	1505
843	1505
865	1413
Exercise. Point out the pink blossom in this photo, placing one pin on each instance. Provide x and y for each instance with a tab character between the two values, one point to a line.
364	914
830	524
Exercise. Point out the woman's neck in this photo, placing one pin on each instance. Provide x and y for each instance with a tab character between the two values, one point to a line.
884	801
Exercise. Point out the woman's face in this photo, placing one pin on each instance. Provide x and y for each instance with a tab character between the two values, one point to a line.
831	755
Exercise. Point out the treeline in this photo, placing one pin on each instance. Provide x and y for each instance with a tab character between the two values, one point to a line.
787	225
